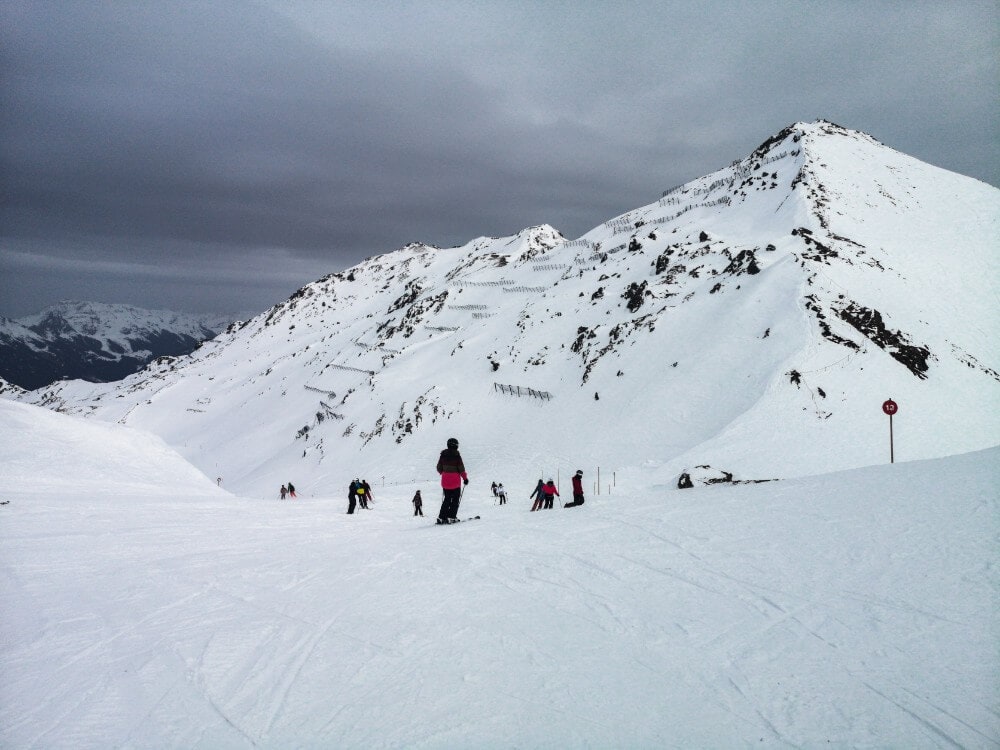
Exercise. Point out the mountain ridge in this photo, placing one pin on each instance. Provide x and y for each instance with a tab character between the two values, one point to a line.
799	286
95	341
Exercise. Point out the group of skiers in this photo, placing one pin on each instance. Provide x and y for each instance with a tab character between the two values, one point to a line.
454	477
359	493
545	493
453	480
499	492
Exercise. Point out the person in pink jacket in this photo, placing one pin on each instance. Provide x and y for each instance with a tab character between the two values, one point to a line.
551	493
453	477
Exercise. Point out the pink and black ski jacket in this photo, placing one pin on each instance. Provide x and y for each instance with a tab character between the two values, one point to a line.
451	469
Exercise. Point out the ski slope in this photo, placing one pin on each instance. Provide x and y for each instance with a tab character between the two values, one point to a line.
753	319
145	607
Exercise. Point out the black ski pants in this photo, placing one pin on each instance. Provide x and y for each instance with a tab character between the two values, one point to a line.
449	506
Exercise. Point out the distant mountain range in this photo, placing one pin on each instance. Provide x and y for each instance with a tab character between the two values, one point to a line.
752	320
95	342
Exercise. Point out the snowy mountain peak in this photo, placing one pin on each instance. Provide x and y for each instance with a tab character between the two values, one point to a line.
95	341
798	287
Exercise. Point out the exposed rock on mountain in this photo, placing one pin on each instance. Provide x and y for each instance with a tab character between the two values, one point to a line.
754	318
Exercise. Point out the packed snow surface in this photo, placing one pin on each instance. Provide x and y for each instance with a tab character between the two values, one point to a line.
145	607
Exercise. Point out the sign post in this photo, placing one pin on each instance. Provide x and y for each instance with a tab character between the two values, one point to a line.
890	407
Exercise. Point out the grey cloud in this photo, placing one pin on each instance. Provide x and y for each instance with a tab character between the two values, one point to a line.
215	135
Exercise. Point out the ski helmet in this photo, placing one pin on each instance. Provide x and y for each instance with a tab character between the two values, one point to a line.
579	472
452	443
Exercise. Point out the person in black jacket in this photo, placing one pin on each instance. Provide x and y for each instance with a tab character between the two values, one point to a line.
453	476
352	496
418	504
538	495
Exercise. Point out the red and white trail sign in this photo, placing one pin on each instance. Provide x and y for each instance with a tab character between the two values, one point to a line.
890	407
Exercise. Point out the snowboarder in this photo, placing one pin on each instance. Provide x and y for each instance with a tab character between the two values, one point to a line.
538	495
502	494
291	490
551	493
577	489
418	504
282	492
352	496
453	478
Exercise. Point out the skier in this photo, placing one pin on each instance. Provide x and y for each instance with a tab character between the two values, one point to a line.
418	504
453	477
493	487
283	492
359	490
291	489
550	493
502	494
369	498
352	496
538	495
577	489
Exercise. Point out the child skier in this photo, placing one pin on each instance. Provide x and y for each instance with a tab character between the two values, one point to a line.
551	493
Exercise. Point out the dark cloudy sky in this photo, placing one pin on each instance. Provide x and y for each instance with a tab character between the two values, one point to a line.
215	156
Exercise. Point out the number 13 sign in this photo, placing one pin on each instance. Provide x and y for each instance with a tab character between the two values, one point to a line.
890	407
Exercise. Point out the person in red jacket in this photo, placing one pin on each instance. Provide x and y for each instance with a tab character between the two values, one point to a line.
453	476
551	493
577	489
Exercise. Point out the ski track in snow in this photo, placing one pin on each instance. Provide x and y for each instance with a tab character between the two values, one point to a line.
731	616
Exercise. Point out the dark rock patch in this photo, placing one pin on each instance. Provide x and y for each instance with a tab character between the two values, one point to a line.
870	323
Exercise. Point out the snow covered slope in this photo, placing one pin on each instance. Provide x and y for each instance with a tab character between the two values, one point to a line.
47	453
95	341
143	607
754	319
